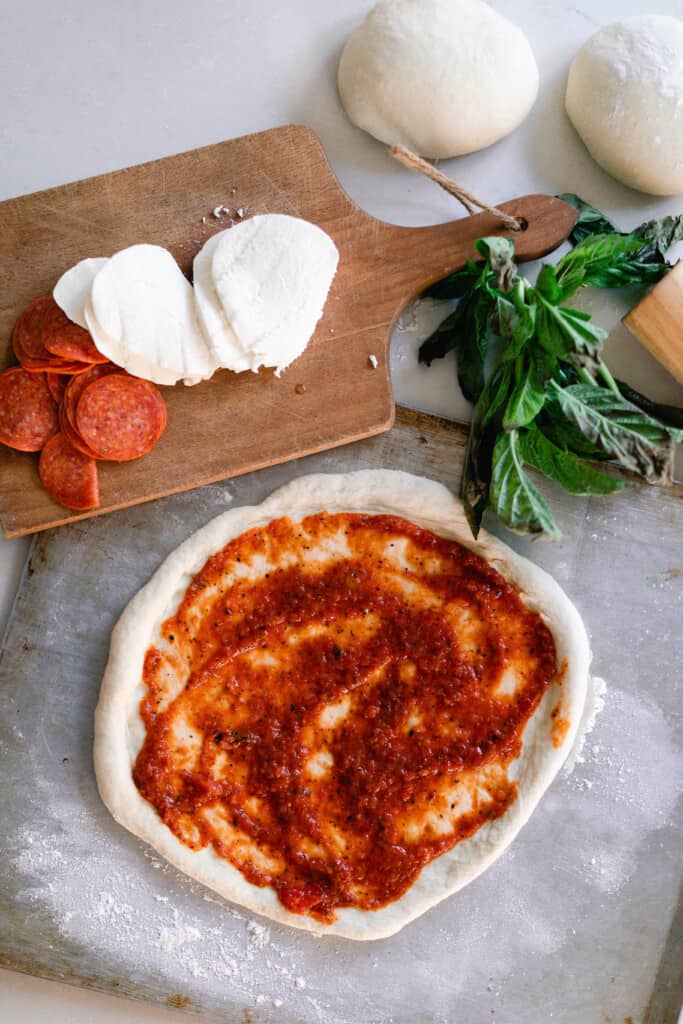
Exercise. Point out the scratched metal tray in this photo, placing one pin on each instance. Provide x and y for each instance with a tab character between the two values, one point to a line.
570	926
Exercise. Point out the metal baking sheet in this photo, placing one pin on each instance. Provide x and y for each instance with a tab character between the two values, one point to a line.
569	926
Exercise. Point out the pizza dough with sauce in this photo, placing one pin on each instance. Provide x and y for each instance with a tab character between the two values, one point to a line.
336	708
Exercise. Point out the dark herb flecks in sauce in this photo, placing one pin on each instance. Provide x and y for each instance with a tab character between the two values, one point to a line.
336	703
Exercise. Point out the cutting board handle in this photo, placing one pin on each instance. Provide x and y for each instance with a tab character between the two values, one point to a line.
421	256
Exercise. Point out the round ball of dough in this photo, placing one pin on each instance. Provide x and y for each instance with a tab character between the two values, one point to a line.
625	99
443	77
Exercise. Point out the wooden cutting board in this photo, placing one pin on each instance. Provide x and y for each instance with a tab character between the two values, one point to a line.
240	422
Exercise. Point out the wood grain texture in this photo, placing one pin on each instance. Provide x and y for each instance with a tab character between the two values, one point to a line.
657	322
235	423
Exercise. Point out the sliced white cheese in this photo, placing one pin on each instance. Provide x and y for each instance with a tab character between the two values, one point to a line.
145	305
134	364
221	338
272	274
72	291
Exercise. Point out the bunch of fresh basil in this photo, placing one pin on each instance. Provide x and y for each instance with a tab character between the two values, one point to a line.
549	402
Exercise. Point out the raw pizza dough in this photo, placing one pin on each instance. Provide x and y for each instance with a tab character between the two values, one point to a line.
625	99
119	730
443	77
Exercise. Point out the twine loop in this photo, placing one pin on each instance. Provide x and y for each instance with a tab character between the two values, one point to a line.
473	205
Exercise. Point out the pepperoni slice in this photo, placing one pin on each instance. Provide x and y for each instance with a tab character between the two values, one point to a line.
59	367
57	383
28	332
67	412
27	341
79	383
68	476
62	337
120	417
72	435
51	364
28	412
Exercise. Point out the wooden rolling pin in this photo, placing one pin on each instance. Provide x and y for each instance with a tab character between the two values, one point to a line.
657	321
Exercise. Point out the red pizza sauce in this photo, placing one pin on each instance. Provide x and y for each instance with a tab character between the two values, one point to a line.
336	703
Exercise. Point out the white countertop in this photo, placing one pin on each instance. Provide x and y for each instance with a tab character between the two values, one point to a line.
90	87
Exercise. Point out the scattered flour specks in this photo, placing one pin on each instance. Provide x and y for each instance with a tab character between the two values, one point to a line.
259	935
107	909
172	937
116	907
595	703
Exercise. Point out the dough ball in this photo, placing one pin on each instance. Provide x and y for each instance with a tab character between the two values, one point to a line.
625	99
443	77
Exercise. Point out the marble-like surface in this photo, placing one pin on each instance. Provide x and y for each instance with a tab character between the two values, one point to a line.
90	87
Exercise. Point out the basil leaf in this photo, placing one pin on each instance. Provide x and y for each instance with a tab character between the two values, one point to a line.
516	500
661	234
603	261
516	319
547	285
467	331
441	341
590	222
568	333
563	433
564	467
489	408
473	343
455	285
625	433
500	253
486	422
628	271
657	236
528	398
669	415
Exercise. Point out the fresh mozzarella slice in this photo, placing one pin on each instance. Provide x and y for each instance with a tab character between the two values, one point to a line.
221	338
134	364
272	274
72	291
144	303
